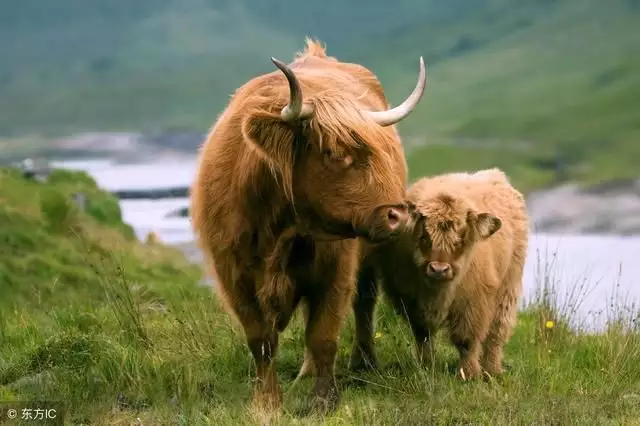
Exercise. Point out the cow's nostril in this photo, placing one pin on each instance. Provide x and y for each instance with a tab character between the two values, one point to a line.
393	218
396	218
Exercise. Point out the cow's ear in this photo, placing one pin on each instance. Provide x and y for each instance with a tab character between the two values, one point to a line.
271	138
487	225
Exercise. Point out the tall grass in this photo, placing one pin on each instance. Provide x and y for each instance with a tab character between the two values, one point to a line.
167	354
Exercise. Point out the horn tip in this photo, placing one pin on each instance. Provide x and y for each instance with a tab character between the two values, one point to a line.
277	62
423	71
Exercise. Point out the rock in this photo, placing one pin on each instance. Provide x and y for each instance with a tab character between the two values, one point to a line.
182	212
608	208
152	238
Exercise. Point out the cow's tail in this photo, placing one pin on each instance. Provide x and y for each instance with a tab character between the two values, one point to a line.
277	292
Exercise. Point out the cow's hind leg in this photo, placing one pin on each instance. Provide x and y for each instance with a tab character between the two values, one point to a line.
327	311
502	326
363	355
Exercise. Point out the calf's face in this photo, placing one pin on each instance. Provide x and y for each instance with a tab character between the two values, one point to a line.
445	234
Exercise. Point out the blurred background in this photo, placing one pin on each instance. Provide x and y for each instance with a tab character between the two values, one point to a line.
547	90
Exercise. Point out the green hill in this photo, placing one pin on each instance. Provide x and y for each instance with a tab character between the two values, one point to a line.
53	252
529	80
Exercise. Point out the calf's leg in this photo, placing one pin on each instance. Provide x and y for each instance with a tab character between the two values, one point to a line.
363	355
469	325
409	309
422	334
504	321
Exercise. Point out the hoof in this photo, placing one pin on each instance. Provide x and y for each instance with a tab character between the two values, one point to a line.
323	406
327	396
267	401
363	363
468	374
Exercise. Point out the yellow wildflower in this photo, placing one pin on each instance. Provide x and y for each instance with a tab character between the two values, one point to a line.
378	335
549	324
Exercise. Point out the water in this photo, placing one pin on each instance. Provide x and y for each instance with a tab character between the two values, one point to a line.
586	271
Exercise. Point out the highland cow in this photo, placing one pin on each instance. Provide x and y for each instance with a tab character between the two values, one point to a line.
302	167
460	267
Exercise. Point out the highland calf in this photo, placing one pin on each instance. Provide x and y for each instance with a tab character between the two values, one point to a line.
461	267
302	167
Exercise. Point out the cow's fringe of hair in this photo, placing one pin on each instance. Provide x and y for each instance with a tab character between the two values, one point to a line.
337	125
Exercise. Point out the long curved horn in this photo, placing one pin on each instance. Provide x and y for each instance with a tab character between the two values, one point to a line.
394	115
296	109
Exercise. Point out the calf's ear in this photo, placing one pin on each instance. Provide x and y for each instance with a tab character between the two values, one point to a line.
487	225
419	223
270	137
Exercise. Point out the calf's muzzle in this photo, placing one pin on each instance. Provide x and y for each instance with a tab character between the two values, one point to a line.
439	270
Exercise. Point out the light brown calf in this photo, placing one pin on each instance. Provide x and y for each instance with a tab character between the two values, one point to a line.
461	268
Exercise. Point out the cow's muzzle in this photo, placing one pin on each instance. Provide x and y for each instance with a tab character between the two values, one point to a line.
384	223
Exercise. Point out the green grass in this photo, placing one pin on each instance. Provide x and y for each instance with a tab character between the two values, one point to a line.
120	331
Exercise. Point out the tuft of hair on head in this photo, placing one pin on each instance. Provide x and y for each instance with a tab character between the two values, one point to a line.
446	199
313	47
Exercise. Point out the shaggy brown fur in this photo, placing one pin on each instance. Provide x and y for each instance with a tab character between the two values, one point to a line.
279	207
462	267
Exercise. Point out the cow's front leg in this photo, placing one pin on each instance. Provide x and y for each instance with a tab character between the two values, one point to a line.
262	339
263	344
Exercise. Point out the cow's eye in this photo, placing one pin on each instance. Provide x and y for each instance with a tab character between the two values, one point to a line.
336	161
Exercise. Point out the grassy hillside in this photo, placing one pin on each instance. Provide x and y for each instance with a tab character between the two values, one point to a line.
51	250
119	333
536	78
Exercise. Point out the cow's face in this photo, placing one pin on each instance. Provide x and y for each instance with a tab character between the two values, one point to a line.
445	236
352	187
342	168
